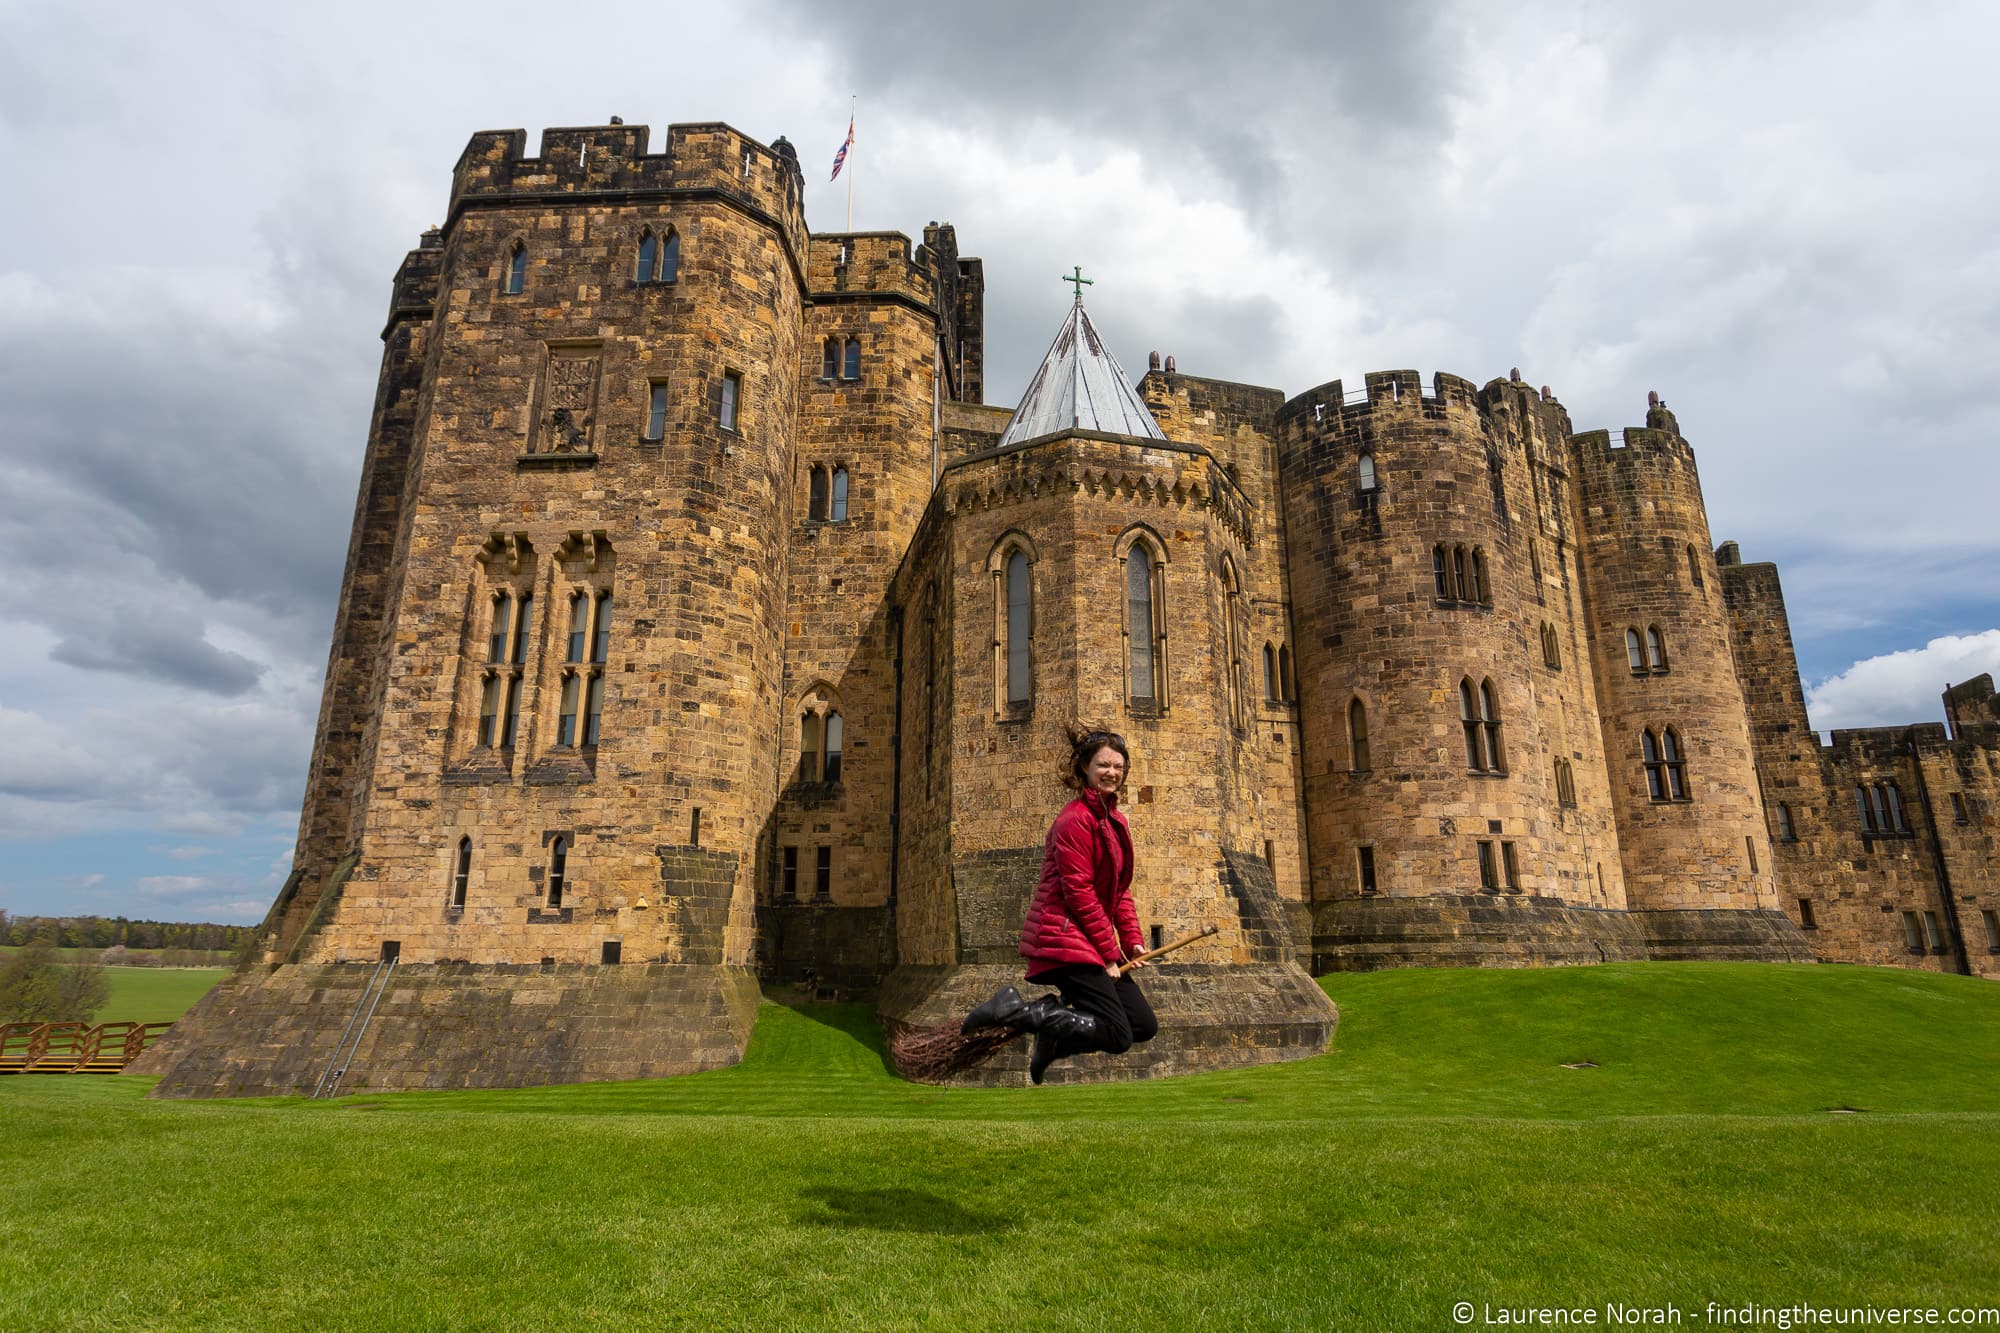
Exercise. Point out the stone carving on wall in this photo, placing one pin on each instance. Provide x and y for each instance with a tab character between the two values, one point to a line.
569	402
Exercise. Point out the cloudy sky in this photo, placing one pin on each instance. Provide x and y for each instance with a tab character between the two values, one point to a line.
1783	217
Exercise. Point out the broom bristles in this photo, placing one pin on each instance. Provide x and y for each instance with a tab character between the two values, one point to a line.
931	1055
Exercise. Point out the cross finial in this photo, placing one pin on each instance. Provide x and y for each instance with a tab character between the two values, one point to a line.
1075	278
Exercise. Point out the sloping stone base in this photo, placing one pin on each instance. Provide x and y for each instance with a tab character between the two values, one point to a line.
1514	930
1212	1016
456	1025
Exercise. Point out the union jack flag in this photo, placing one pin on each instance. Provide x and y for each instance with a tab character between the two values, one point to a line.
840	158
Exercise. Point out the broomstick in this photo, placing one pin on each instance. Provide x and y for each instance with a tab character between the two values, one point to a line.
931	1055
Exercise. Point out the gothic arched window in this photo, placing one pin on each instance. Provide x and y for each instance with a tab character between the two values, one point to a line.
558	877
1139	624
1365	473
850	365
816	492
1675	763
1656	649
649	255
1020	619
1635	652
837	509
517	270
669	267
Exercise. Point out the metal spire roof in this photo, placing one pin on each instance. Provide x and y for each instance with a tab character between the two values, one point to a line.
1079	387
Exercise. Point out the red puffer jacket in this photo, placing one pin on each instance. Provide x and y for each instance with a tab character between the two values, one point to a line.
1086	887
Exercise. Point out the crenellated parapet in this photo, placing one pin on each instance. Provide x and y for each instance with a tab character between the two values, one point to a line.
868	264
612	162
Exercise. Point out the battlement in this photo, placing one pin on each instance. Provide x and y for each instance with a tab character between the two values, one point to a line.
1386	390
414	294
875	262
1634	446
613	160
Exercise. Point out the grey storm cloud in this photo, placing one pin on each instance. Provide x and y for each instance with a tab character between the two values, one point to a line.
157	648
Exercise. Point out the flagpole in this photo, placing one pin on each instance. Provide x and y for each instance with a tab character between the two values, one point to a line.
852	102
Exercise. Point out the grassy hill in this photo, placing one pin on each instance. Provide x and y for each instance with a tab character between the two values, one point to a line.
1738	1134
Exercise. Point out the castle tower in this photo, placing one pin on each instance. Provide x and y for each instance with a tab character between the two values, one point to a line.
1677	739
1448	748
549	741
891	336
1086	568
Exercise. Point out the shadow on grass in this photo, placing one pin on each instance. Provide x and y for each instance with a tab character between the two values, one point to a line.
854	1021
898	1210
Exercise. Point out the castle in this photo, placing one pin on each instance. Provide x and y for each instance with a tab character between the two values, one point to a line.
701	626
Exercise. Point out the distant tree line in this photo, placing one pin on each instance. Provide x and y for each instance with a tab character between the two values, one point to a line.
105	932
36	986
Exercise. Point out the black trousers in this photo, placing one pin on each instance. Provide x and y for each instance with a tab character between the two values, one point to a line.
1124	1018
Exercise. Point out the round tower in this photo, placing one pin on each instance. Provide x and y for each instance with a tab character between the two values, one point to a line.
1676	732
1448	739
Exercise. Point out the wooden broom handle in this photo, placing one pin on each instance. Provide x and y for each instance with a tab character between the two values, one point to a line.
1145	959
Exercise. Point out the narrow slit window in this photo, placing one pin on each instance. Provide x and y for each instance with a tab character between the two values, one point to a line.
789	884
1489	718
1786	833
572	691
850	362
834	730
1270	673
593	709
1992	920
837	510
732	397
649	256
1959	813
461	874
809	748
1461	577
816	494
1750	851
1020	682
1357	735
670	259
558	871
1867	816
829	358
1511	865
823	874
1482	592
517	269
656	412
1139	620
600	644
1288	689
1366	857
1694	569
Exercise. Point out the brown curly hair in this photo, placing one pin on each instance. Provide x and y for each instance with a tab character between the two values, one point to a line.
1083	747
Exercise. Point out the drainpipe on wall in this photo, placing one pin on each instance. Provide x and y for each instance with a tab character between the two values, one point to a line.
1945	899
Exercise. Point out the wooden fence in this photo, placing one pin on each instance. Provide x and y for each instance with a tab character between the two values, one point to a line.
74	1048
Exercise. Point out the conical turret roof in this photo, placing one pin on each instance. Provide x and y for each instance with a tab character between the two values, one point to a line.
1079	387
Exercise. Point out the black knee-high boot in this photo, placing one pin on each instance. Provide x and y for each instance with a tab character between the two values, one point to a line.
1059	1031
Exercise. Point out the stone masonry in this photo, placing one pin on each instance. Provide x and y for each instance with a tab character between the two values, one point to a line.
701	625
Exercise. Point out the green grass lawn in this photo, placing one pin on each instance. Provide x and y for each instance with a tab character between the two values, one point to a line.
1441	1153
155	994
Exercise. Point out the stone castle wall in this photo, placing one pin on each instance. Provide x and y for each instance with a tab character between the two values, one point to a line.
557	425
1647	567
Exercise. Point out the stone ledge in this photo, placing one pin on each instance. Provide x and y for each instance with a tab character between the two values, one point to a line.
456	1026
1212	1016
